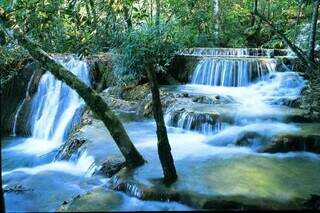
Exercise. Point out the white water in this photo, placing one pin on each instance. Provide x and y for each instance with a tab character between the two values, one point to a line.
235	52
256	105
20	106
232	72
81	167
55	108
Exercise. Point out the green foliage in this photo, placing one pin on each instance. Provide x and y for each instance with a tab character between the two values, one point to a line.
11	57
148	45
89	26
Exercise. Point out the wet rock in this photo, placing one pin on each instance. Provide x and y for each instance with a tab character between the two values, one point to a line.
101	71
70	148
120	104
136	93
12	94
246	139
111	166
215	100
181	68
124	181
96	200
145	106
313	202
288	143
16	188
295	103
193	120
114	91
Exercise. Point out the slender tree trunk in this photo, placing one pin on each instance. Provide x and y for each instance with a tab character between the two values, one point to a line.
312	41
215	20
269	10
164	149
91	98
151	11
158	10
127	16
253	17
298	21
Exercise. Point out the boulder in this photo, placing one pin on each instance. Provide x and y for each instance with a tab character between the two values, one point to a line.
13	92
111	166
71	148
288	143
217	99
193	120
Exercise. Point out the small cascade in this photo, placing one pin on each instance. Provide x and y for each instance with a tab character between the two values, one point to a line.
234	52
202	122
27	97
234	73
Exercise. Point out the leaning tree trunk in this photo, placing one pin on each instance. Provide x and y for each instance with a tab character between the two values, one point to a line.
313	67
312	41
91	98
164	149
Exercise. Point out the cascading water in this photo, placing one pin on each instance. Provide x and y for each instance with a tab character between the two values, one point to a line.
234	52
55	108
256	89
227	72
204	123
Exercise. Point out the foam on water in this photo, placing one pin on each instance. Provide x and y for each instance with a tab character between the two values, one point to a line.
233	134
81	167
256	99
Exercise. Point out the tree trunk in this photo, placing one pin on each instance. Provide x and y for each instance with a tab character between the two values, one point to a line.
158	12
151	11
215	20
91	98
127	16
312	41
298	21
269	10
164	149
314	69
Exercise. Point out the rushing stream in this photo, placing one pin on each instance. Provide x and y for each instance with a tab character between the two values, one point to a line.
246	103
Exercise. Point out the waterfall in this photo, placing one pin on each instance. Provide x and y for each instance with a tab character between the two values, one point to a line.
20	106
55	109
235	52
235	73
56	106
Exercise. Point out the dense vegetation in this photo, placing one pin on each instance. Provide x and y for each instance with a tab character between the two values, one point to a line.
134	29
87	26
